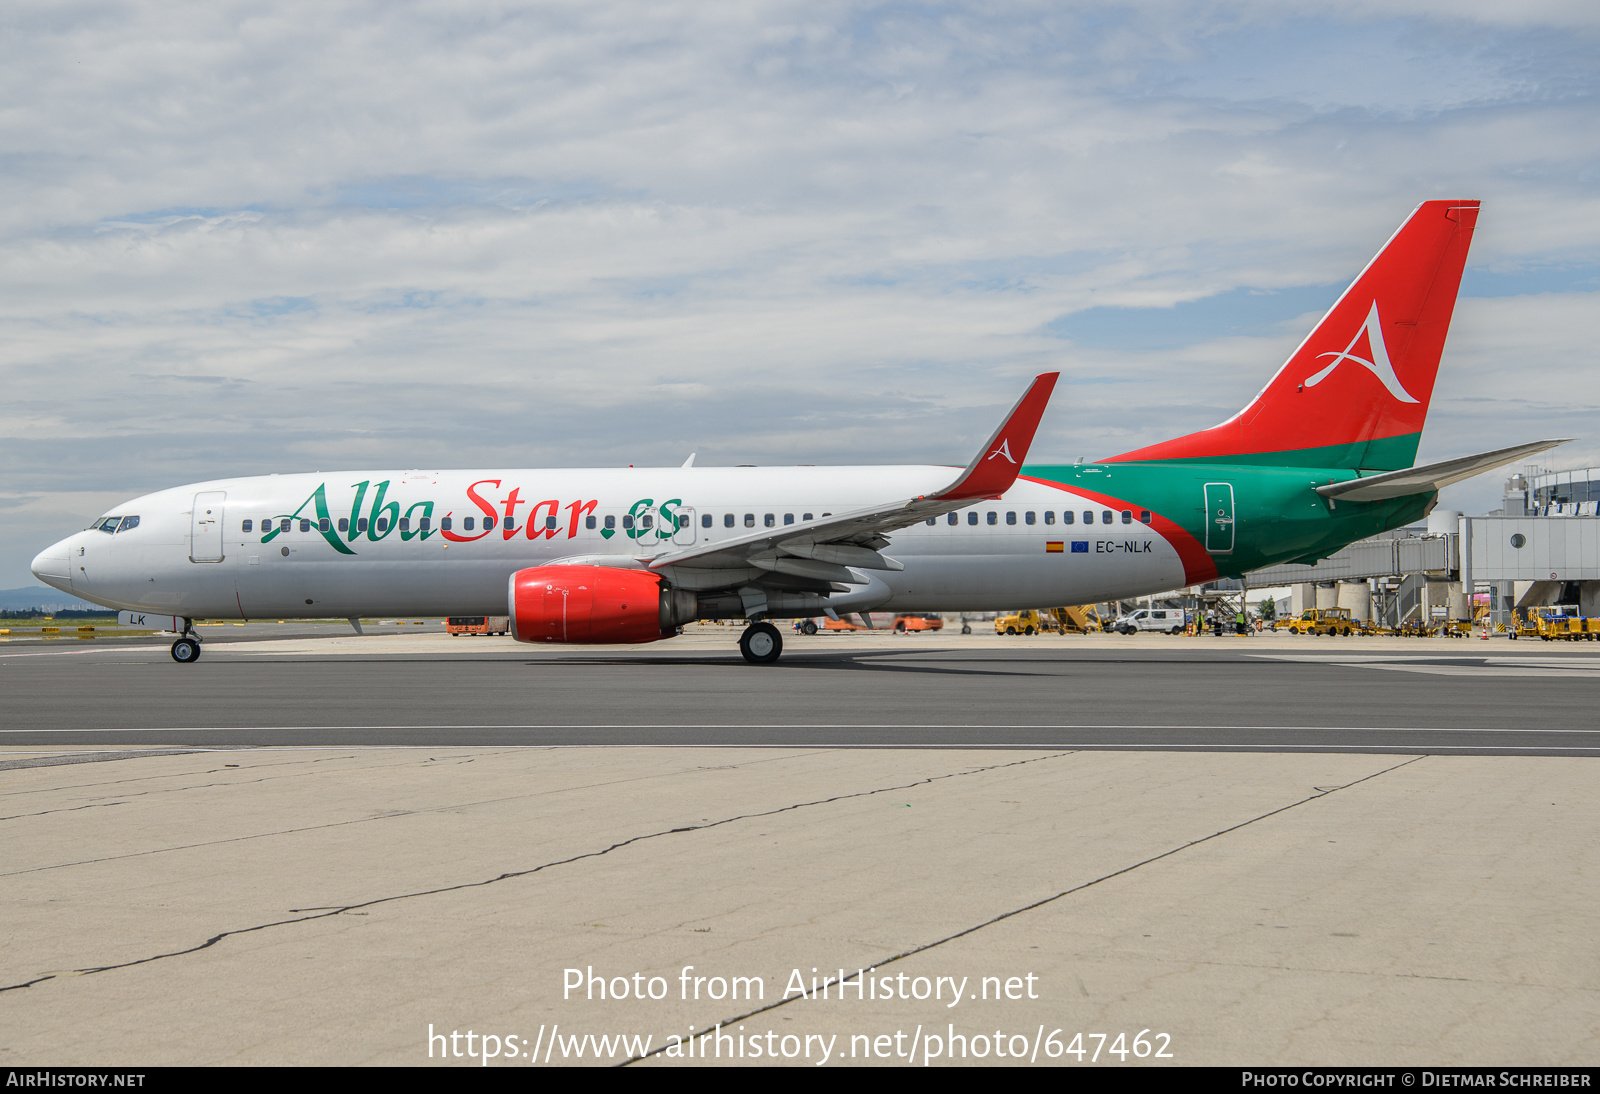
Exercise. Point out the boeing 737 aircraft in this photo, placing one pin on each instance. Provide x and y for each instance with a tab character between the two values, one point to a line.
1321	457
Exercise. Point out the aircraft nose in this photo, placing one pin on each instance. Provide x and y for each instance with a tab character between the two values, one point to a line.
53	567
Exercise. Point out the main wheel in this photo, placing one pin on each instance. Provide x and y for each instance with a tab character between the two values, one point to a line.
965	629
761	643
185	650
808	627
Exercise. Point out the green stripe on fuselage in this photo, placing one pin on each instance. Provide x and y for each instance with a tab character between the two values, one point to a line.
1278	514
1384	454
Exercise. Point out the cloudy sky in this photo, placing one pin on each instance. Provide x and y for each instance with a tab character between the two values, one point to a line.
254	237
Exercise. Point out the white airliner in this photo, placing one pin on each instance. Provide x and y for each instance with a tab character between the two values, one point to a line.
1323	456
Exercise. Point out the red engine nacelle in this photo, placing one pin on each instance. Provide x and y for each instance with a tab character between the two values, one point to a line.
590	604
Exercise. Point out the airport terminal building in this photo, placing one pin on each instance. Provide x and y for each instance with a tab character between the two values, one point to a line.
1542	547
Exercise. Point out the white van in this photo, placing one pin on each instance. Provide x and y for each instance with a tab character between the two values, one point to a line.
1168	620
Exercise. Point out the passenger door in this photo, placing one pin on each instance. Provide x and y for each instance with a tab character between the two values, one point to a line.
205	529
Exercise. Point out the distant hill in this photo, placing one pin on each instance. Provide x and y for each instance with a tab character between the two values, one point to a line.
39	596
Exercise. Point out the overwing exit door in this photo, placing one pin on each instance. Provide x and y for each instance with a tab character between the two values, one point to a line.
1219	518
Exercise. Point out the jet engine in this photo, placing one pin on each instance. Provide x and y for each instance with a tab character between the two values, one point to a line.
595	604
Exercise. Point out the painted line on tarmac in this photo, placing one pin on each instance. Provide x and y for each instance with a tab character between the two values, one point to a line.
480	727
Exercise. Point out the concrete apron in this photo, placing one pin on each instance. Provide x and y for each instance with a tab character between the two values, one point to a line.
330	906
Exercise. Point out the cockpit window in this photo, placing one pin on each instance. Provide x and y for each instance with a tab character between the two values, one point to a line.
108	525
127	523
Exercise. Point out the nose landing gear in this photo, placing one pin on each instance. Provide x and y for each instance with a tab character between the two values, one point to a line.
761	644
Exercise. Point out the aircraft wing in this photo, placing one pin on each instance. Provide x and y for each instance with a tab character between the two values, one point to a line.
1434	476
823	550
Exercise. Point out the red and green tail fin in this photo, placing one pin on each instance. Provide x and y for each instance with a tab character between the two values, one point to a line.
1355	394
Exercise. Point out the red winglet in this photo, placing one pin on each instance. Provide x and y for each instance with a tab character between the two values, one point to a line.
995	468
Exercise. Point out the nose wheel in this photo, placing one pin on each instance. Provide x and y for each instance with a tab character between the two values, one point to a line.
761	643
185	650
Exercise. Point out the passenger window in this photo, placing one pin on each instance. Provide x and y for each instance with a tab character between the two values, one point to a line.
405	524
705	520
1027	518
1088	516
768	520
994	518
727	520
1011	518
344	523
1144	516
805	516
749	520
788	518
1127	516
627	520
249	524
549	524
1050	516
305	525
383	524
589	523
611	522
953	519
468	523
422	524
1068	516
444	524
322	523
972	518
647	521
931	521
361	524
1106	516
283	525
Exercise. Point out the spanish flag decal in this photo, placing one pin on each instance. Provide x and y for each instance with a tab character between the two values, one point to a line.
1053	547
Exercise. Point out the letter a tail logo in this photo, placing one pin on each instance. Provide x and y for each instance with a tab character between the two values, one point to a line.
1003	450
1378	363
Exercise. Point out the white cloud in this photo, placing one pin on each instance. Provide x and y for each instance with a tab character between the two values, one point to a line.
271	237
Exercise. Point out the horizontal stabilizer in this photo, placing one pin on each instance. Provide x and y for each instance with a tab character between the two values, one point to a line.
1433	477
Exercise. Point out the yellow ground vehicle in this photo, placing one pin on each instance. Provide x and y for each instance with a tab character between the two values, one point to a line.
1417	628
1023	622
1076	619
1324	621
1552	624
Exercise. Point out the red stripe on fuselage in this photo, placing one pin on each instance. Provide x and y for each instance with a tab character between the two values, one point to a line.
1198	566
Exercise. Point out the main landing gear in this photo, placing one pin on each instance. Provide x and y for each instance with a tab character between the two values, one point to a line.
186	650
760	643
